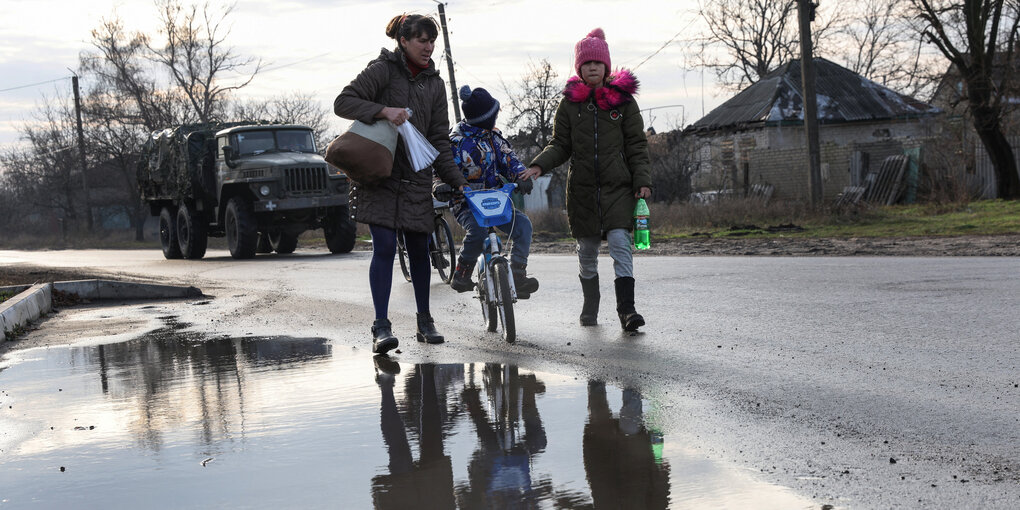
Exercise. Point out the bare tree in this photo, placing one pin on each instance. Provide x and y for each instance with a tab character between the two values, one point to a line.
295	108
532	102
123	104
745	39
123	85
195	56
45	176
979	38
674	159
880	43
134	84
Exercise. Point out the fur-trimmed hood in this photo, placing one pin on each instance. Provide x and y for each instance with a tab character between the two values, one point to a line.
620	89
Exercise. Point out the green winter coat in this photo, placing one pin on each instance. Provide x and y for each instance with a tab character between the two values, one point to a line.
404	201
602	133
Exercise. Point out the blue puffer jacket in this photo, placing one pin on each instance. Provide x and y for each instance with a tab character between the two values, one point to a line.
484	156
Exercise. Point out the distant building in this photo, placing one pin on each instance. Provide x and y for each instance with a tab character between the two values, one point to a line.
951	97
757	137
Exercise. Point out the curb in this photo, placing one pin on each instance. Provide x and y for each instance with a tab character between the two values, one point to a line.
36	300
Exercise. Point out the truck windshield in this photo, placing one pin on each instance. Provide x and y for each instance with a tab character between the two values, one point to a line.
298	140
257	142
254	142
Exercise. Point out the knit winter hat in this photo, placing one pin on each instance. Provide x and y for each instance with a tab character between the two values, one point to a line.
590	48
479	107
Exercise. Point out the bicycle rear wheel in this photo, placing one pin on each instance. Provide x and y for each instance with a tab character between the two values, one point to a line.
505	303
402	253
489	314
444	256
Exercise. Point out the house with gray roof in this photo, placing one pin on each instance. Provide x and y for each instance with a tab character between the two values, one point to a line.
757	136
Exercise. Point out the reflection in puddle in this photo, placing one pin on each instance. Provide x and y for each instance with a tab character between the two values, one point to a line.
174	420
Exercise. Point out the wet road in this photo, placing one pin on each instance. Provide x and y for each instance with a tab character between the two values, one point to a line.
795	382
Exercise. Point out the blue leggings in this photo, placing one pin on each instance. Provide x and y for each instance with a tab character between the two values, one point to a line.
380	272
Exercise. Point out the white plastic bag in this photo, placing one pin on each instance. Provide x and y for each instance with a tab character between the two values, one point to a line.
419	150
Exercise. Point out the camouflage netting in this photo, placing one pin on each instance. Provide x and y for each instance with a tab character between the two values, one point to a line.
174	159
180	162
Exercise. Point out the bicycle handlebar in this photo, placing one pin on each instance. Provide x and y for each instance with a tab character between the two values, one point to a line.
507	188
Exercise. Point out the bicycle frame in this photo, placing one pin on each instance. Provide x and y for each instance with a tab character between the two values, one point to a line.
493	254
496	289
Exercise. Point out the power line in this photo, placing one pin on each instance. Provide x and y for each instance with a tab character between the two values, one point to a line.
34	84
281	66
667	43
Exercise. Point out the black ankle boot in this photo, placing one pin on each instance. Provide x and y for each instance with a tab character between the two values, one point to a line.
427	330
630	320
590	309
383	340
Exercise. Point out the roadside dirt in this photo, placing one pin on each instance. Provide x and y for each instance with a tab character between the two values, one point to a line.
30	275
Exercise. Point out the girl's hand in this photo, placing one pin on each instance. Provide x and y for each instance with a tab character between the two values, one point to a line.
530	173
644	192
395	115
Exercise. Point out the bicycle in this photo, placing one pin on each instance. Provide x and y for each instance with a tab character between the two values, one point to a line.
496	291
442	249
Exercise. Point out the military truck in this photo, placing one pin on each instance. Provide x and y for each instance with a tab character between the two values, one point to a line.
260	185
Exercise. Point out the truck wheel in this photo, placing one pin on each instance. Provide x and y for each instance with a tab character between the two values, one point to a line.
340	232
192	232
242	237
283	243
168	234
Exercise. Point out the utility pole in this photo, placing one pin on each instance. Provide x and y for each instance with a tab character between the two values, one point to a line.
449	61
806	14
81	151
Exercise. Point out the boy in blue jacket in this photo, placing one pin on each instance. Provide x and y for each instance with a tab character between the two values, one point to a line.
484	156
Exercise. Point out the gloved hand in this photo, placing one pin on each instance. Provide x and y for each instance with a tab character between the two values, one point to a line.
525	185
442	192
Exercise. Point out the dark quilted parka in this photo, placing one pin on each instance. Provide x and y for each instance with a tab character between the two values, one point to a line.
404	200
602	133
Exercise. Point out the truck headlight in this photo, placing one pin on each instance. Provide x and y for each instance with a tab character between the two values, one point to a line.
264	190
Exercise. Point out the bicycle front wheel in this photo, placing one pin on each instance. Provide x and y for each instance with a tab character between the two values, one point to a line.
444	255
487	298
402	254
505	303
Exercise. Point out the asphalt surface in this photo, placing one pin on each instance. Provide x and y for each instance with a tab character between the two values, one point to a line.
860	382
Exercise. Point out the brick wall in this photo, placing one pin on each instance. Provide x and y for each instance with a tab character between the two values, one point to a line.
778	156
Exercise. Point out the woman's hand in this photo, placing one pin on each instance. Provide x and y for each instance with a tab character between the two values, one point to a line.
644	192
530	173
395	115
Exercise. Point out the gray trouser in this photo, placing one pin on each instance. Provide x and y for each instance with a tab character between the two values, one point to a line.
619	248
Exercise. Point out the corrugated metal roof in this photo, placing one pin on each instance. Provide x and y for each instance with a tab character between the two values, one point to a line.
843	96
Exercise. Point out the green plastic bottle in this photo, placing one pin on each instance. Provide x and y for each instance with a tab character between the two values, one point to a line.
642	239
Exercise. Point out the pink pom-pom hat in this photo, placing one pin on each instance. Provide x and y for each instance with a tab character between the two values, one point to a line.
592	47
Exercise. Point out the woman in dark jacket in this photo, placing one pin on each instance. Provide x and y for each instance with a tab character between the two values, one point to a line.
598	127
398	80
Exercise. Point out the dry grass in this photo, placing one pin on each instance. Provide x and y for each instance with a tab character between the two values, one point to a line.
678	219
550	221
681	219
112	239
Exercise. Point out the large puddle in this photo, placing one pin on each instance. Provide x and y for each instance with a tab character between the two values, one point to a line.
174	420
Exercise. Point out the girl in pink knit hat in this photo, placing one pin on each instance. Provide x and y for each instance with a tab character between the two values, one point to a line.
599	129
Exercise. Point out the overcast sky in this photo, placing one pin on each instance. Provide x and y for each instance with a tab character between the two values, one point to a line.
318	46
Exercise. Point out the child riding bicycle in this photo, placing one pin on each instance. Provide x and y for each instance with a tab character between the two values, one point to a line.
485	157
